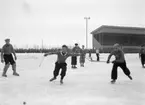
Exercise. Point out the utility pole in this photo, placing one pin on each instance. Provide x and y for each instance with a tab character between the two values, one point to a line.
86	18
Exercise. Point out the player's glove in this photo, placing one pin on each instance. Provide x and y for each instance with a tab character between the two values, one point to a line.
2	60
15	58
114	61
108	61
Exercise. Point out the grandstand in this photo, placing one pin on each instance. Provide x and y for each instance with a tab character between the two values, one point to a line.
131	38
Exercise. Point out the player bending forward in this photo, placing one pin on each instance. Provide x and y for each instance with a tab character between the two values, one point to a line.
7	57
119	62
60	63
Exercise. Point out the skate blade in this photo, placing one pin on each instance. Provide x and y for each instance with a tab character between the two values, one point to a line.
56	83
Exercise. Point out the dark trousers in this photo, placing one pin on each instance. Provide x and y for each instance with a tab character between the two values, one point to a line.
142	59
122	66
58	66
73	60
8	58
98	58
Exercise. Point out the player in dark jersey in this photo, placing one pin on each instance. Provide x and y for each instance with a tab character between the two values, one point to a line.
142	55
60	63
119	62
7	57
97	54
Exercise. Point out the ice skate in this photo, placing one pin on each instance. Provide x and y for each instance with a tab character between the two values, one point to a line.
113	81
72	67
130	77
16	74
52	79
61	81
75	67
82	65
4	75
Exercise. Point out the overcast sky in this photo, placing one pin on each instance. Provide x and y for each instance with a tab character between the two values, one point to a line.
57	22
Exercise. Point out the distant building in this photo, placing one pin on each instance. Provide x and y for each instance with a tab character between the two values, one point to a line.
106	36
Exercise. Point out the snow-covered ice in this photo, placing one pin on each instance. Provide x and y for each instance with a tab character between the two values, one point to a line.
83	86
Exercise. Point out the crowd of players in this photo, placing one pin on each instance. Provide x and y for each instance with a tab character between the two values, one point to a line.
8	52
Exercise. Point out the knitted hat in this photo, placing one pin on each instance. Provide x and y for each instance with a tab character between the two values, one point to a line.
7	39
116	45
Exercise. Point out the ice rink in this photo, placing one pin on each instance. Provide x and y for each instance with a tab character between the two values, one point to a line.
83	86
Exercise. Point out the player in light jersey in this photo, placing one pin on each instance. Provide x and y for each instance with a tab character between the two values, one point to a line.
7	57
82	56
76	49
119	62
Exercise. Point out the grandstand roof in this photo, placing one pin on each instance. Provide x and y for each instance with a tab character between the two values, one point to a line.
119	29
